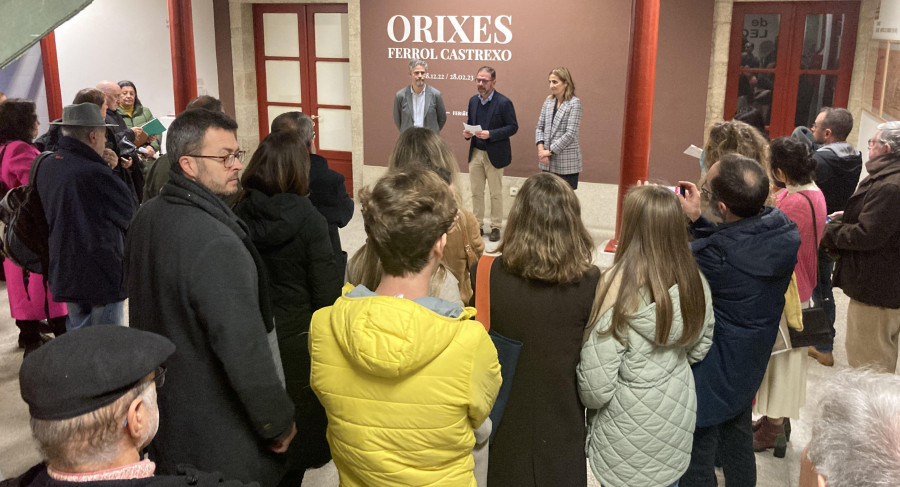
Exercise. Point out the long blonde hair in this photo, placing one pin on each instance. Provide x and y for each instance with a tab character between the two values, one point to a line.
653	253
565	76
545	237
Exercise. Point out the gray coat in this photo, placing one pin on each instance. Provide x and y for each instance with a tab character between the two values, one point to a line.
193	279
642	406
435	113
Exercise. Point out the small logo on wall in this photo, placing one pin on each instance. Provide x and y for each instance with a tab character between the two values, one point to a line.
450	31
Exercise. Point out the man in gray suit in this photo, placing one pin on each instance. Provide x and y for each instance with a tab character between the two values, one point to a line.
419	105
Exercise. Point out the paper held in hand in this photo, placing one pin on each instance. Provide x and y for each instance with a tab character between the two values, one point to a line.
472	128
153	127
694	151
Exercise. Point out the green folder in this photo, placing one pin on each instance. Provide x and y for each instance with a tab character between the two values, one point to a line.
153	127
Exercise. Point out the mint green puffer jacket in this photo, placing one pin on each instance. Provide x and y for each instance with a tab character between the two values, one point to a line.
642	406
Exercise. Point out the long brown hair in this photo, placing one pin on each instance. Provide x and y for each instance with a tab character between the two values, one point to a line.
653	253
545	237
279	165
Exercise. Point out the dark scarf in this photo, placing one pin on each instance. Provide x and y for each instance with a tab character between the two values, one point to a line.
183	190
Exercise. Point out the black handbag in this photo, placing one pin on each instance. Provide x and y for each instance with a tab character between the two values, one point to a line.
816	325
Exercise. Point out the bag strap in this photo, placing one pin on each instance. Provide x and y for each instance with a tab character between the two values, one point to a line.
812	209
462	223
817	298
483	290
35	165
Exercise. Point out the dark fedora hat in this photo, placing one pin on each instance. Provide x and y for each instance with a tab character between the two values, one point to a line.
83	115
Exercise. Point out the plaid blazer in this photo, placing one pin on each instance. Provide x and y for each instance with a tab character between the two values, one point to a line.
560	135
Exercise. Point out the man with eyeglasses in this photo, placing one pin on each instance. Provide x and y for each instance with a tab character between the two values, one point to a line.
92	414
838	165
489	149
865	241
195	277
88	208
748	260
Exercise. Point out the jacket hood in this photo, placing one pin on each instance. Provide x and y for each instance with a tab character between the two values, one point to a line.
764	246
273	220
390	336
849	159
644	320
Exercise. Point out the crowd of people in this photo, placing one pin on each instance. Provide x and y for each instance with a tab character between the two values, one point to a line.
280	354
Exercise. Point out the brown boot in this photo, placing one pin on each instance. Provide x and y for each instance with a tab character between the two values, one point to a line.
770	435
759	422
824	358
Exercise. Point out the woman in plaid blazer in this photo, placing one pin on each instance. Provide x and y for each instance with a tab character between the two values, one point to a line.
556	134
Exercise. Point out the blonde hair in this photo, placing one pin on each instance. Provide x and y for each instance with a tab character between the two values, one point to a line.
653	254
566	77
545	237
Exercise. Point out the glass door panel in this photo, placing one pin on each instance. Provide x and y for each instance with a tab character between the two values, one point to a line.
334	130
283	81
332	35
333	83
281	35
814	92
822	41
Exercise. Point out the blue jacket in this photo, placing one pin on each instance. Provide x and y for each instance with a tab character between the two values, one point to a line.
748	265
502	126
88	209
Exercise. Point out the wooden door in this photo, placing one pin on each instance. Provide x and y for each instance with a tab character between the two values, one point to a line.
790	59
303	64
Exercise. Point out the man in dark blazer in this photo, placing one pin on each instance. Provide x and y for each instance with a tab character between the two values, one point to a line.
489	149
419	105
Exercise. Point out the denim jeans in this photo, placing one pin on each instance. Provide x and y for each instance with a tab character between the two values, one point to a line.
85	314
824	289
734	440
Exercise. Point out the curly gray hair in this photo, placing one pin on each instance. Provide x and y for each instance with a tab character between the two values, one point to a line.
417	62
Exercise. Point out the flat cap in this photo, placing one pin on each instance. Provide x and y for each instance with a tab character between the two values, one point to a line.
86	369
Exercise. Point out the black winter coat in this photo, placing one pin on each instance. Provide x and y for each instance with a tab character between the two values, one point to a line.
292	238
328	194
193	278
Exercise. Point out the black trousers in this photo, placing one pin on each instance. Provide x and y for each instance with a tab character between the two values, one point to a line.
734	441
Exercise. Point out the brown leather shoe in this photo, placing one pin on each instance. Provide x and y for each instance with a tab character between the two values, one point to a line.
824	358
495	235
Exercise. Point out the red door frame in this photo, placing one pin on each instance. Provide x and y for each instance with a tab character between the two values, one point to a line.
340	161
790	47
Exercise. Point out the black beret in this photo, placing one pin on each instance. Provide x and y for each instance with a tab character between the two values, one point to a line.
86	369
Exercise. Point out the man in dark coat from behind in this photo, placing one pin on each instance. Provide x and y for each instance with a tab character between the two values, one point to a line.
92	414
195	277
748	261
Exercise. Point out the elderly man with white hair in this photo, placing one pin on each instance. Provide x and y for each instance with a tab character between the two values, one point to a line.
856	436
865	239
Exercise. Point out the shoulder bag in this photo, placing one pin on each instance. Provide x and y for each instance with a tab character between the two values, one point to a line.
816	325
507	349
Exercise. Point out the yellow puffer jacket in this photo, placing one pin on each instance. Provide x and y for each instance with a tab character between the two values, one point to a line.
404	388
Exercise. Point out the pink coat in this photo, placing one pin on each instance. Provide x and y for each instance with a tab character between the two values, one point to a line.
23	304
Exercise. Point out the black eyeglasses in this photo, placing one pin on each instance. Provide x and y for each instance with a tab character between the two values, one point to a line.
160	376
226	160
705	190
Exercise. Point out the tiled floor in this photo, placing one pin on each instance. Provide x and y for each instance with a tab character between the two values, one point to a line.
18	453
